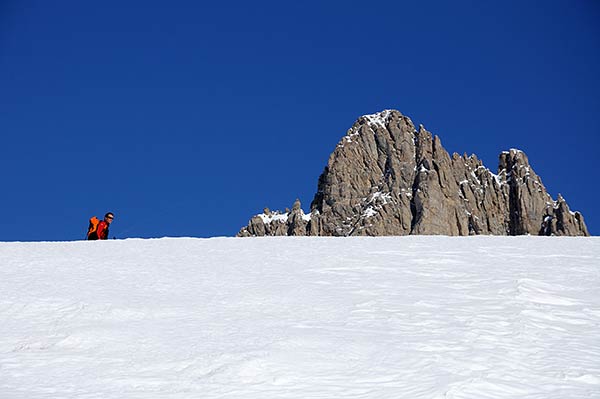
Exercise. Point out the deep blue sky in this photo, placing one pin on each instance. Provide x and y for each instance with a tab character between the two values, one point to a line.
186	118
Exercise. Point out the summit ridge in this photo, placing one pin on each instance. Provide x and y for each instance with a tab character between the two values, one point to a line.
386	177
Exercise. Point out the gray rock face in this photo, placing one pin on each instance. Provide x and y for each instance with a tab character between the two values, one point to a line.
385	177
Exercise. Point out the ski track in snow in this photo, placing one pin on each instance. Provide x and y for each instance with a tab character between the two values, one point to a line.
397	317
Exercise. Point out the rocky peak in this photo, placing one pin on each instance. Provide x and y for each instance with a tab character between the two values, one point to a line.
385	177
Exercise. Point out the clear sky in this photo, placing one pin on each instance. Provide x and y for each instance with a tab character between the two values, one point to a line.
186	118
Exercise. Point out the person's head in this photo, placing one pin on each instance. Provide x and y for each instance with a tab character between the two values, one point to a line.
108	218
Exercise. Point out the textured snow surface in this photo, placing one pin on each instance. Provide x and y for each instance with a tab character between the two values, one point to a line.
403	317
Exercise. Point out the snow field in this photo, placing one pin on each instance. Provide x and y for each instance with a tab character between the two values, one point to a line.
399	317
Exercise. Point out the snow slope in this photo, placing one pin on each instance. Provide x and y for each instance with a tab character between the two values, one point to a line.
402	317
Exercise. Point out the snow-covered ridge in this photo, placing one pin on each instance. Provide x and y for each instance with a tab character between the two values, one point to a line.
279	217
274	217
379	118
301	317
513	151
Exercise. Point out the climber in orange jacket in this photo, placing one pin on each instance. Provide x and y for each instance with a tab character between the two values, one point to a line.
98	230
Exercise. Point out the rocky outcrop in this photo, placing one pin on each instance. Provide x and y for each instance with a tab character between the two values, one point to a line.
288	223
386	177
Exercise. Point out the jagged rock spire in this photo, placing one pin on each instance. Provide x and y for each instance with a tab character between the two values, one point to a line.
385	177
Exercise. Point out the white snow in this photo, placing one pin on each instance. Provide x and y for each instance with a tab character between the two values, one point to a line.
348	138
378	119
497	178
281	217
381	197
273	217
407	193
512	150
394	317
369	212
376	202
373	120
474	176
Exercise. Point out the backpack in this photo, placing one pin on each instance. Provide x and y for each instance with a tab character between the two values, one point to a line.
93	227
